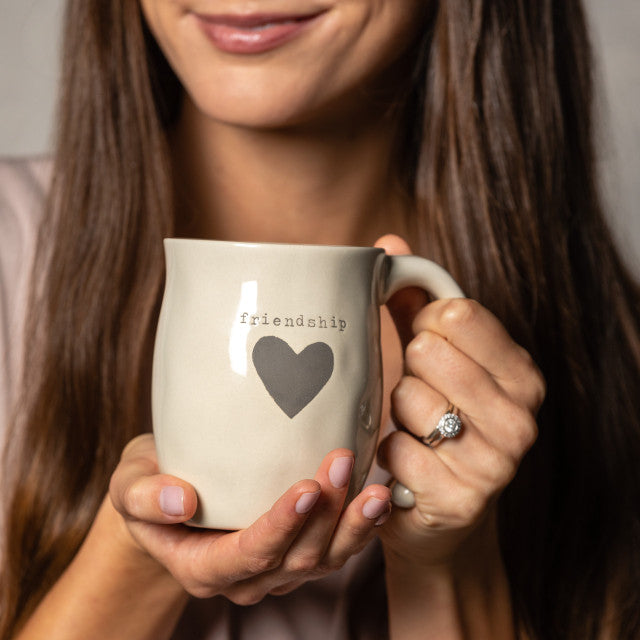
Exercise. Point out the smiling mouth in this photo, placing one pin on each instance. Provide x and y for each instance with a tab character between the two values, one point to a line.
254	33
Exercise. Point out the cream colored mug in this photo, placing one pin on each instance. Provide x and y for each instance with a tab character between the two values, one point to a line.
267	357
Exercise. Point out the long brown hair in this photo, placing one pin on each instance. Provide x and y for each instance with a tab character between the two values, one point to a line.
96	280
498	128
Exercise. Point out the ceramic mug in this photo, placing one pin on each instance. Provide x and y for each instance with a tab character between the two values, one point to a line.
267	357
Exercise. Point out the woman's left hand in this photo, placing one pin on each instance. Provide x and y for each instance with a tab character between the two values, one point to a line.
461	354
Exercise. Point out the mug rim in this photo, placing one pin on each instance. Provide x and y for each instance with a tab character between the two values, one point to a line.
175	241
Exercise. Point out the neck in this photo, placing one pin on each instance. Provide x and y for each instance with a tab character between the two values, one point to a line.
318	185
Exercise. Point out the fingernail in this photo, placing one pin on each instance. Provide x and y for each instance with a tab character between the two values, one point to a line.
306	501
340	471
373	508
172	501
383	518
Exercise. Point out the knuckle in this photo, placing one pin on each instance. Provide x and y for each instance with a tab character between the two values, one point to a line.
126	494
133	500
533	380
539	389
330	565
419	346
246	597
284	589
200	591
524	431
470	504
257	558
506	473
528	435
303	563
430	520
262	564
282	527
142	441
405	390
498	470
199	586
457	314
357	530
400	391
424	347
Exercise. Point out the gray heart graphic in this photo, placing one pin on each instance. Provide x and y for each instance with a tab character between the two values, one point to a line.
292	380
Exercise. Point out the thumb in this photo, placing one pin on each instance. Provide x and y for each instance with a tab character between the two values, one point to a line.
405	304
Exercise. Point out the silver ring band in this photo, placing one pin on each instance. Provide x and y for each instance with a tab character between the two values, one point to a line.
449	426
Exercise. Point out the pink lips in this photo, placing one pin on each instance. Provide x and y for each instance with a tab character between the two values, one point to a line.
254	33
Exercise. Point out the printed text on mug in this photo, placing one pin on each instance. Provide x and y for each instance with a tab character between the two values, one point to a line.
312	322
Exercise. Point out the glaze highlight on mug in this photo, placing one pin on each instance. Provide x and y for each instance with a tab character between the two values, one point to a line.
311	322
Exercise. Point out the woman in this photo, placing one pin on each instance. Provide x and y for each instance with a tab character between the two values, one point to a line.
462	126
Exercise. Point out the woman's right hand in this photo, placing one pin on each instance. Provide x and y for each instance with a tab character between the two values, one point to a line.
304	536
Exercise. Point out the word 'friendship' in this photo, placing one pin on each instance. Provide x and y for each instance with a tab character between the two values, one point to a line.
312	322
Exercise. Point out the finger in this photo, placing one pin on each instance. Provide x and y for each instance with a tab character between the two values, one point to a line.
469	455
433	359
419	469
444	498
210	562
286	588
333	475
475	331
263	545
406	303
139	492
504	423
370	509
142	444
353	532
416	406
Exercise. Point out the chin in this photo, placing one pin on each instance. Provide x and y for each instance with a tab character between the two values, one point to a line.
269	110
252	116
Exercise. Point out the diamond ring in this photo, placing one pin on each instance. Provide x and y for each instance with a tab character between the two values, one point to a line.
449	426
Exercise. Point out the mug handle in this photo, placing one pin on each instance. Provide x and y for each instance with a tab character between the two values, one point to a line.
412	271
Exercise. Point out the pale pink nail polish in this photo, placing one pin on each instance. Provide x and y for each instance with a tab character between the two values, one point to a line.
382	519
340	471
306	501
373	508
172	501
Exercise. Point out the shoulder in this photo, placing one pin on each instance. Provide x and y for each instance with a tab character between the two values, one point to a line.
24	184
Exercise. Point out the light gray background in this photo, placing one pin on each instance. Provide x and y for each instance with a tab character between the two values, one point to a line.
29	40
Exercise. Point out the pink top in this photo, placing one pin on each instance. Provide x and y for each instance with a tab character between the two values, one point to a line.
348	604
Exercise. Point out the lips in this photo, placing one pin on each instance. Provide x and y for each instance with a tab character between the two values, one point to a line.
254	33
